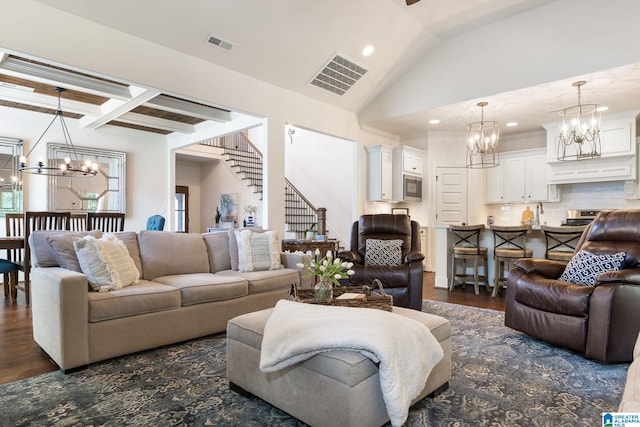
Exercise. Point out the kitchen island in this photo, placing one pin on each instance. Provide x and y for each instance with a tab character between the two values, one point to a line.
444	243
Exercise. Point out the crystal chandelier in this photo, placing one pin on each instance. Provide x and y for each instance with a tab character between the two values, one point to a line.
579	130
69	167
482	142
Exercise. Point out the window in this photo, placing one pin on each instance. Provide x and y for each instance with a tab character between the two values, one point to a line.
182	208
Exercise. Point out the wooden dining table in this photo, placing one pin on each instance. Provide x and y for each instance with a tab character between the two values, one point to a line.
12	243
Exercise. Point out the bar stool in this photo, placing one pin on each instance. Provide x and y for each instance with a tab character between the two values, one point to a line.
509	244
561	241
466	246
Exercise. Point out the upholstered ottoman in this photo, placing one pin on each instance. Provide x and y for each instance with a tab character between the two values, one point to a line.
329	389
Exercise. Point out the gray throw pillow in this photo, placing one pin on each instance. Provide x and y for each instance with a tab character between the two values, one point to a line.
383	252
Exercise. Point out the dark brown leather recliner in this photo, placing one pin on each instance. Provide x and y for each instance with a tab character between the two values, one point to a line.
600	321
404	281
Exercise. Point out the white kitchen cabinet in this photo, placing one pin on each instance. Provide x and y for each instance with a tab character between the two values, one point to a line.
408	160
380	172
494	184
520	178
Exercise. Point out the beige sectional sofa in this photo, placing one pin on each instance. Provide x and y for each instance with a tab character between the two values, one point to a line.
188	288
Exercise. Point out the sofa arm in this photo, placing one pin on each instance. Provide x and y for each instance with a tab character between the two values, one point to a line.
291	260
351	256
546	268
60	315
629	275
413	256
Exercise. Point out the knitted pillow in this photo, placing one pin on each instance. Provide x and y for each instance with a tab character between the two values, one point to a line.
584	267
258	251
383	252
106	262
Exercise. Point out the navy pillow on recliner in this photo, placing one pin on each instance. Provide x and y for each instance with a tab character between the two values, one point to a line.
584	266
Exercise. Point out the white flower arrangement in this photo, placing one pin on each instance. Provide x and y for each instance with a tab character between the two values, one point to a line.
328	268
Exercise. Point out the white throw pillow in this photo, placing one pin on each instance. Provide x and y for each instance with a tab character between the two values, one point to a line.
106	262
258	251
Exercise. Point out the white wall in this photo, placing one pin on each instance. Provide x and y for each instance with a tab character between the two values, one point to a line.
147	161
324	169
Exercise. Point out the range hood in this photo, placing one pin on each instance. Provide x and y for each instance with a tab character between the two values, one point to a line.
619	154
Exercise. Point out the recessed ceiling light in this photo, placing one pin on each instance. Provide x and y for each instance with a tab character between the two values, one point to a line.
434	121
368	50
512	124
602	108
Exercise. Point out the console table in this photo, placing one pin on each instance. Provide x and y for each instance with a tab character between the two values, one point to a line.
293	245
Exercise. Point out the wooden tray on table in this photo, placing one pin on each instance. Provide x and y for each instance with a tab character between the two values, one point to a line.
364	296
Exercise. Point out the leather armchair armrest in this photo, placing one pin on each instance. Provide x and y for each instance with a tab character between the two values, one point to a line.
413	256
628	275
351	256
546	268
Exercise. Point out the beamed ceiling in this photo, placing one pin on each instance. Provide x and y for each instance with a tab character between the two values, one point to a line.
30	85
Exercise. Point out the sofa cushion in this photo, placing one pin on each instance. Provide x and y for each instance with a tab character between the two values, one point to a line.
199	288
106	262
141	298
258	251
266	281
55	248
165	253
584	267
217	244
383	252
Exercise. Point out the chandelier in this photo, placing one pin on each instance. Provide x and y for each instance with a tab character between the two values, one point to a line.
69	167
579	130
482	142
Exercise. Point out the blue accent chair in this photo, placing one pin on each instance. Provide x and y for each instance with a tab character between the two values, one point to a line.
155	222
9	271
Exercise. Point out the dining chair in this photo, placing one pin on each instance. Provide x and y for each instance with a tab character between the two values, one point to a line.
155	222
14	227
108	222
78	222
36	221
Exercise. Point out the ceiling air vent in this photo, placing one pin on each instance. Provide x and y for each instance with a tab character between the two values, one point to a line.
217	41
338	75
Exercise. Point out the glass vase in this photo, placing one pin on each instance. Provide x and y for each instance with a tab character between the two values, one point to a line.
323	290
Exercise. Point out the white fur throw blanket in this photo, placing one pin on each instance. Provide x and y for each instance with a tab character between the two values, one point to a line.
404	348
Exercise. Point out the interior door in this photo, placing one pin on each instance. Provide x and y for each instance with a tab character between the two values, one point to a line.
451	195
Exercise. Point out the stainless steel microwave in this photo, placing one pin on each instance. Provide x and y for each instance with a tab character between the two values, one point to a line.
411	188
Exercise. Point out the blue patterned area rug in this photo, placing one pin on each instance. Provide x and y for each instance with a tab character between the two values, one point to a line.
500	378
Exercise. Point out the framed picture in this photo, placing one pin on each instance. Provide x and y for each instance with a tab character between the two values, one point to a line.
400	211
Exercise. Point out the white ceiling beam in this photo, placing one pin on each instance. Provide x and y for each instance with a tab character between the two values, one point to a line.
167	103
55	77
156	123
113	109
46	101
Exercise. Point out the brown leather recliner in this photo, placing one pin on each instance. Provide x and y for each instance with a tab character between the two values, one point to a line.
600	321
404	281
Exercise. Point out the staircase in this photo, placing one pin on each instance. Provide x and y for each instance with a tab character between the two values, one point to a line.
245	159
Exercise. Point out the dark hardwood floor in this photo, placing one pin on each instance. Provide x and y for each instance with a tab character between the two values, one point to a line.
20	357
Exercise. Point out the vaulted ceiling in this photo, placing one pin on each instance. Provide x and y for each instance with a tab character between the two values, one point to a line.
295	44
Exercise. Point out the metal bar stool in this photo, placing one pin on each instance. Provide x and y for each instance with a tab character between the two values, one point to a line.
466	246
509	244
561	241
